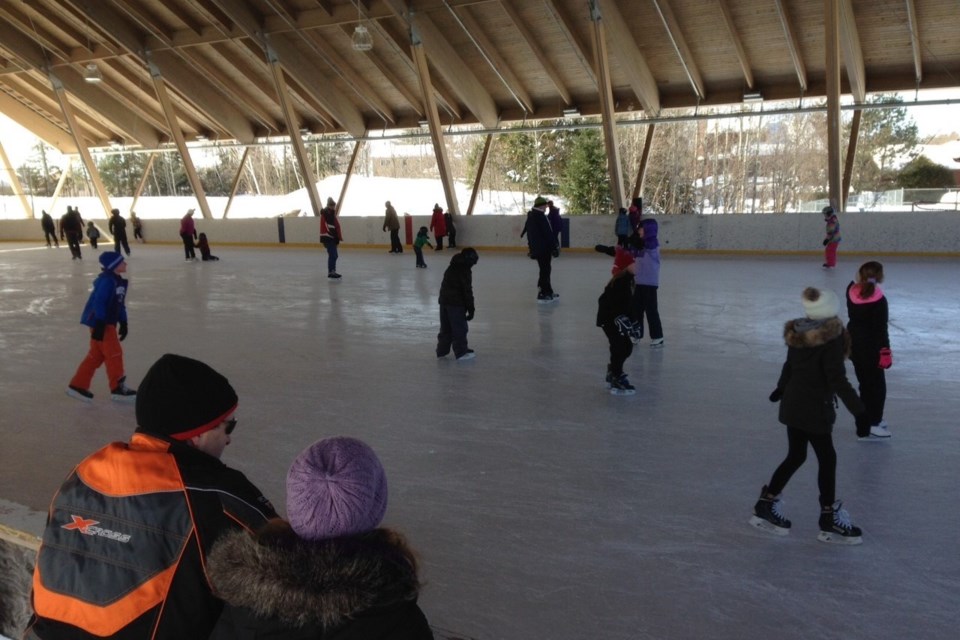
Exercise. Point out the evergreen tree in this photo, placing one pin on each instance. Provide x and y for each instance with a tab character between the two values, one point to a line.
886	134
586	182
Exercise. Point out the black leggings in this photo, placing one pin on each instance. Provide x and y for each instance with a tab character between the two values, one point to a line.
620	348
822	444
873	391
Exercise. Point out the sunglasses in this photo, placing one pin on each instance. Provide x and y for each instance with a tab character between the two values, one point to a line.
231	425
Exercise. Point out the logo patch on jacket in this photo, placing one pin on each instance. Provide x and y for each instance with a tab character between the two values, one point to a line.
89	528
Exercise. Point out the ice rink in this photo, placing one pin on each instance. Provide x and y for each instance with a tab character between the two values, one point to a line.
542	507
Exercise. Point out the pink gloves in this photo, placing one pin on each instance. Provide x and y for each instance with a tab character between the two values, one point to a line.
886	358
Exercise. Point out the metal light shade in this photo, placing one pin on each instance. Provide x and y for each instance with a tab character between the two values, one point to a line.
362	40
92	73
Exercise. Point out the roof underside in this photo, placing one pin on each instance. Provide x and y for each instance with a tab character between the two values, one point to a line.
490	61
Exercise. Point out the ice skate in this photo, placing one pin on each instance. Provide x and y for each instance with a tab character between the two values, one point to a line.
620	386
836	527
466	355
80	394
768	514
609	379
123	393
656	343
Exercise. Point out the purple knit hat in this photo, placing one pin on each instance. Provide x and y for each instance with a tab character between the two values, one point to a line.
336	487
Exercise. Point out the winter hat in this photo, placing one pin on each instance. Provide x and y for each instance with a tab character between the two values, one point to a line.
181	397
336	487
331	203
827	210
110	260
820	304
540	201
621	260
437	207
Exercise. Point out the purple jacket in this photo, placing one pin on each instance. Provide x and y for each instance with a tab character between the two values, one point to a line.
648	267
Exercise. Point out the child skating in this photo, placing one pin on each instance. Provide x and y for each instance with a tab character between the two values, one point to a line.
456	305
422	238
615	317
204	245
870	348
812	377
93	234
106	315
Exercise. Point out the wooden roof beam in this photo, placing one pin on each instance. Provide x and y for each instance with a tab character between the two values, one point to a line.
675	34
391	77
36	124
292	61
915	40
852	53
555	77
793	45
449	65
608	119
37	93
566	25
494	59
737	43
632	62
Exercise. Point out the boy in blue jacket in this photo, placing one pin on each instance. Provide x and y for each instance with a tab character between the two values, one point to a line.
106	315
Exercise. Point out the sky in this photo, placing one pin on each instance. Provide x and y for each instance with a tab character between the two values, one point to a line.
931	121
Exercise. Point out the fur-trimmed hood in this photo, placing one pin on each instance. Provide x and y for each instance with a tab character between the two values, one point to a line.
804	333
321	583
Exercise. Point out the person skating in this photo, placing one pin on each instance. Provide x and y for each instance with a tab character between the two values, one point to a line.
106	315
128	535
328	572
391	222
93	234
457	305
204	245
49	229
423	238
330	236
137	227
621	227
870	348
71	226
811	379
831	241
542	246
188	233
646	250
615	317
451	230
438	225
118	228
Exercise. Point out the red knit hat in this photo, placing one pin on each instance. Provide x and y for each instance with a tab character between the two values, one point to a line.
621	260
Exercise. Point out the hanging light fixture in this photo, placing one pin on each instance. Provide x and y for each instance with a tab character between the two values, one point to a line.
361	38
92	73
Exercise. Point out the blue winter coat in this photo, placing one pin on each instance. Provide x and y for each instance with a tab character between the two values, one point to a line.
107	301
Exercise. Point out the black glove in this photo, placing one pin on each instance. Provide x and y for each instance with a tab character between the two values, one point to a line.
556	253
98	330
636	333
122	331
607	249
470	313
776	395
826	241
624	324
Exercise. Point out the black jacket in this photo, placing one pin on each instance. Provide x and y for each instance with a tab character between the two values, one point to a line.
616	299
456	290
814	374
117	225
278	585
867	326
126	543
540	238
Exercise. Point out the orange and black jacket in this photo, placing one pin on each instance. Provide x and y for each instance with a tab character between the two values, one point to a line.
127	537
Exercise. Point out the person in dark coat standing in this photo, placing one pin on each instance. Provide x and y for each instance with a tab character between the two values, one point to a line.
456	305
615	317
438	225
391	222
71	226
118	229
812	377
49	229
330	236
870	348
451	230
330	572
543	247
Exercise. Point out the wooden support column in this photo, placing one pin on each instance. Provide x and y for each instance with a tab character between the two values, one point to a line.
346	179
851	154
480	167
606	105
160	86
433	117
831	26
62	181
293	129
236	181
644	157
143	180
85	156
15	183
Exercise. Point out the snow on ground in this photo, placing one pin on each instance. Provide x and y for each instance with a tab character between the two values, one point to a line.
365	197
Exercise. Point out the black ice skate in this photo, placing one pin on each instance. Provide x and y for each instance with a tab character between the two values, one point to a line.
768	516
620	386
123	393
80	394
835	526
